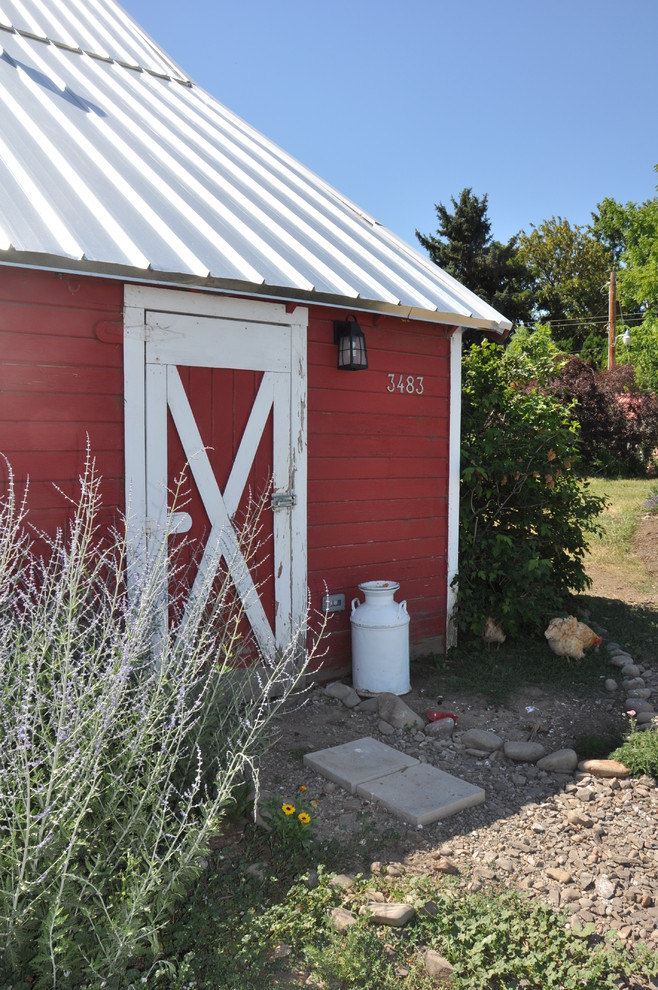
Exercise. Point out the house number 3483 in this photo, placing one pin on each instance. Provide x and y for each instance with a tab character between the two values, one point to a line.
409	384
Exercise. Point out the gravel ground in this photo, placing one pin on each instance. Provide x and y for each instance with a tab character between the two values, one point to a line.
572	840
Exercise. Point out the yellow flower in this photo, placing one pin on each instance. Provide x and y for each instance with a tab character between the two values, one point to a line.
304	818
288	809
301	787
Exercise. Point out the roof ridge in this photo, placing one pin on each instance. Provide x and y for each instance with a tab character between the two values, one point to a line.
110	59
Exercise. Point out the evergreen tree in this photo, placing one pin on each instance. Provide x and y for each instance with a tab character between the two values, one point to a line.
464	248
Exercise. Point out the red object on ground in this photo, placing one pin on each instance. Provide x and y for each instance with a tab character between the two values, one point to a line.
434	716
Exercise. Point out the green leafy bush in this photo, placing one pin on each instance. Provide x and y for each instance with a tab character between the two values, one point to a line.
524	514
122	745
640	750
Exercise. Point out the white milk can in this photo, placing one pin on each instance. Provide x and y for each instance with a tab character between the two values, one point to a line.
380	640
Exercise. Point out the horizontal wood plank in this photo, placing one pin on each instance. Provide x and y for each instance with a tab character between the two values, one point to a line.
397	446
385	468
342	424
72	408
43	348
345	512
55	436
37	377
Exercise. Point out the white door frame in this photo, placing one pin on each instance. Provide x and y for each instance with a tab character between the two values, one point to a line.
154	316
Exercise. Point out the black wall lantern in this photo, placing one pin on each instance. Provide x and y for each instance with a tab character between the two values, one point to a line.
352	353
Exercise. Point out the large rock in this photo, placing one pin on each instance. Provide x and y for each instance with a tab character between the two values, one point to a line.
441	729
524	752
445	865
605	888
344	693
621	659
482	739
340	919
576	818
369	705
637	705
437	967
562	761
394	915
556	873
341	880
394	711
604	768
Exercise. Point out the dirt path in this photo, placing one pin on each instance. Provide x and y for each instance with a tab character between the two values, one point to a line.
609	582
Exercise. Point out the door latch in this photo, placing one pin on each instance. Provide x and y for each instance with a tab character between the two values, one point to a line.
283	500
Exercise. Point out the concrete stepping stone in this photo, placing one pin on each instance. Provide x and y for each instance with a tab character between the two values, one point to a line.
421	794
355	762
418	793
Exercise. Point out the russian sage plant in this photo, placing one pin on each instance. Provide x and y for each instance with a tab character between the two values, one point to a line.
120	748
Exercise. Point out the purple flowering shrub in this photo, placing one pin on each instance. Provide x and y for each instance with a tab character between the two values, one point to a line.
651	504
122	742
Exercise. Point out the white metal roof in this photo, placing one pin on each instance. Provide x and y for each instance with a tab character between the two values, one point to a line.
113	162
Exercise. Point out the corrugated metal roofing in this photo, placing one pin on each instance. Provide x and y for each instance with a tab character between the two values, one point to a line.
112	161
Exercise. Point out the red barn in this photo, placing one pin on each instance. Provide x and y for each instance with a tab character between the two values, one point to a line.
177	288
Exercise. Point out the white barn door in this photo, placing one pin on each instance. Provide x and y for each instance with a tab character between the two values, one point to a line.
190	361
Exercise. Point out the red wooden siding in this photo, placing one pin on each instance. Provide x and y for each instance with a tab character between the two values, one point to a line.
60	380
377	460
378	472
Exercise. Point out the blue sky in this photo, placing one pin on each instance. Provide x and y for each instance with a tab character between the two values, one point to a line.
545	105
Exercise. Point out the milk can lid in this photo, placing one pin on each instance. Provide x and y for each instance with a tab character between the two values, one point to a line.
379	586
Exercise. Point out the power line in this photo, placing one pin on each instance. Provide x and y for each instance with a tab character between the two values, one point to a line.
589	319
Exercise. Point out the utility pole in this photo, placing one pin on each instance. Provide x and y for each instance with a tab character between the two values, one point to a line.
612	319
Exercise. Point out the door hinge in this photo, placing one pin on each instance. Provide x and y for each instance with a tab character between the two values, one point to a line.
283	500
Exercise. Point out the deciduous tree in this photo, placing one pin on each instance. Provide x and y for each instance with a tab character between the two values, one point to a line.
570	268
618	421
631	232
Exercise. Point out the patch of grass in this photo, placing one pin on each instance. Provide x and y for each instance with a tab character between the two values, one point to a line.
626	505
229	934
